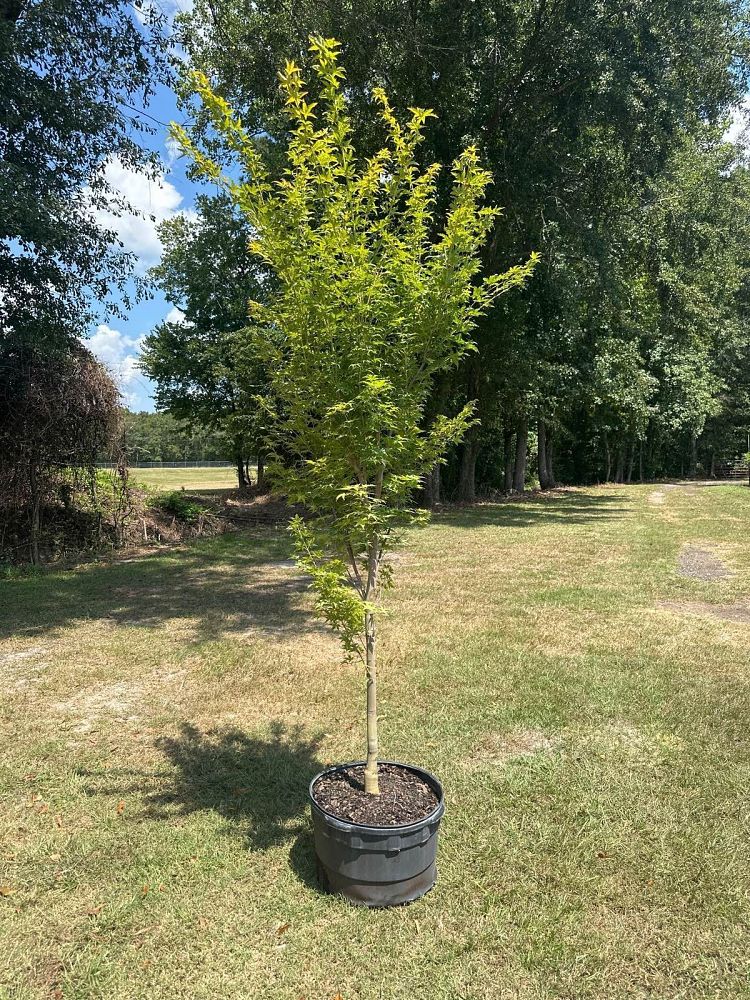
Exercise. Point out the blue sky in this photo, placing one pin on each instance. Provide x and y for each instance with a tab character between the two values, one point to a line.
114	340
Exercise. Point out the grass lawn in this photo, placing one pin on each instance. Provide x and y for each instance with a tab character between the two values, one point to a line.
190	478
586	707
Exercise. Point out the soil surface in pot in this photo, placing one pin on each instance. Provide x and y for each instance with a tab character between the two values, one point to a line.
404	796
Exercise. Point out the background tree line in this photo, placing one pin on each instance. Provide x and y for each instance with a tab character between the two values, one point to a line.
603	127
160	437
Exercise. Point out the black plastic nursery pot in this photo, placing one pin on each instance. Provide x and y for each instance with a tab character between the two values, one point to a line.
377	865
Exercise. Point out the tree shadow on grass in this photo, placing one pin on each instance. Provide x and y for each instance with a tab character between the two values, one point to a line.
260	784
222	586
538	509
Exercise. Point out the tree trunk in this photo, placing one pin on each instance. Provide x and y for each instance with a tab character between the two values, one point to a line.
248	477
240	465
542	455
508	456
35	515
432	486
519	471
261	471
640	461
631	461
693	455
620	470
608	459
550	470
371	767
713	465
467	481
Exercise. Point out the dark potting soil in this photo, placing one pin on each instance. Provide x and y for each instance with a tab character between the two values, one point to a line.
404	796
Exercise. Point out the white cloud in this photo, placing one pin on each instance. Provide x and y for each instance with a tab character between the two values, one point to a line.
153	200
173	151
176	316
739	122
120	354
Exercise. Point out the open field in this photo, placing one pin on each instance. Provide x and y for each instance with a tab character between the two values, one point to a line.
189	478
575	669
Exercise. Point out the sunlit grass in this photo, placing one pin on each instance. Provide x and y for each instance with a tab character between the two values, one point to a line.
161	719
188	478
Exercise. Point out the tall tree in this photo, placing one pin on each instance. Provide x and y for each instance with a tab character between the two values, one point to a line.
369	309
203	372
70	70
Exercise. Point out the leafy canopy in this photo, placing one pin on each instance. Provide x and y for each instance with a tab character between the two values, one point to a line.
372	300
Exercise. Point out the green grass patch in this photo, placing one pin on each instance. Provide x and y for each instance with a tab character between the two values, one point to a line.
187	478
161	716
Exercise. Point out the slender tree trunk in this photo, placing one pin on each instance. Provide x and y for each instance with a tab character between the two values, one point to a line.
371	767
35	514
607	458
240	465
519	471
550	470
467	480
631	461
712	473
620	470
261	471
509	456
693	455
248	478
542	455
640	461
432	486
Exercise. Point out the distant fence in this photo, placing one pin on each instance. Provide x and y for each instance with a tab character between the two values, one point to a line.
735	470
187	464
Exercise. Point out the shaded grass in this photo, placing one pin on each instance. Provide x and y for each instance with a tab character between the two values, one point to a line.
160	734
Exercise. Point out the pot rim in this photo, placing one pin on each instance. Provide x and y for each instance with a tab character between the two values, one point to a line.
343	824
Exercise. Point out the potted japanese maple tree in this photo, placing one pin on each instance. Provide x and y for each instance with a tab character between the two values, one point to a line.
371	300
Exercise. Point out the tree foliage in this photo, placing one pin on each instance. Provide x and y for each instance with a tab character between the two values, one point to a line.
70	70
373	300
610	110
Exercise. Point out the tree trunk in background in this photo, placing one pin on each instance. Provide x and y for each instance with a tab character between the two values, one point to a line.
631	461
640	461
261	471
509	457
432	486
550	470
693	454
620	470
467	481
608	459
712	473
35	517
522	443
542	464
241	481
